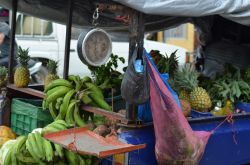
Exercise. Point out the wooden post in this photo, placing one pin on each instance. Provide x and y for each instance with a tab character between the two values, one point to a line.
136	36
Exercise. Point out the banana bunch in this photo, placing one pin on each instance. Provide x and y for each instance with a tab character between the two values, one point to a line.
63	99
15	154
34	149
75	159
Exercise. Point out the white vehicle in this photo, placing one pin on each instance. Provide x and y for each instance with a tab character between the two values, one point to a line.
46	40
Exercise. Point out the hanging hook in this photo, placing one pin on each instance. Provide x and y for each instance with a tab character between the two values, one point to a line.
95	16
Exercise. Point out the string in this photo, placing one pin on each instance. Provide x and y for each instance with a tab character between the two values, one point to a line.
229	119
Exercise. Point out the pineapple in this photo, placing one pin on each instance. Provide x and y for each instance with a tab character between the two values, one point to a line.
52	67
3	76
187	83
22	74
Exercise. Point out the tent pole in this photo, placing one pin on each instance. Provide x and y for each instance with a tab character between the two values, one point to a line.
12	41
136	35
68	38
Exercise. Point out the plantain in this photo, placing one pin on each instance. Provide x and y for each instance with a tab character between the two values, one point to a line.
25	159
65	104
52	110
94	90
86	79
100	102
69	116
72	158
77	117
58	82
51	98
39	144
49	153
32	152
59	150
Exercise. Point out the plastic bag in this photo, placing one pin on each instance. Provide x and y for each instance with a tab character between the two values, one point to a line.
144	111
135	86
176	142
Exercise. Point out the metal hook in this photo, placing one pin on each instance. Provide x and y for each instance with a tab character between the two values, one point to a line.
96	14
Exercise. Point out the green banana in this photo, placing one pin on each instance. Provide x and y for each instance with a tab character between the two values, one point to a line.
81	161
86	79
58	126
62	122
8	157
20	143
58	117
55	95
86	99
88	161
77	81
77	118
17	148
69	115
65	104
44	104
72	158
39	144
49	153
32	152
59	150
100	102
94	90
59	102
33	142
49	130
52	110
25	159
58	82
53	90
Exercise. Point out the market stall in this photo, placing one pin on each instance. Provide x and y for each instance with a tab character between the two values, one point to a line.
113	16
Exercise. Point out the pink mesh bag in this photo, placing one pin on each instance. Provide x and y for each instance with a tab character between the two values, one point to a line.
176	142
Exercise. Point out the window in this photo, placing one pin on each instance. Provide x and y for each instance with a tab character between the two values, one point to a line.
179	32
31	26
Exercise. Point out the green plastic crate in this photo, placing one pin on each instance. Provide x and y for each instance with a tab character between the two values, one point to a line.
27	115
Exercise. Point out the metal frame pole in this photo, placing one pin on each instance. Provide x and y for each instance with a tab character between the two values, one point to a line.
68	38
136	35
12	41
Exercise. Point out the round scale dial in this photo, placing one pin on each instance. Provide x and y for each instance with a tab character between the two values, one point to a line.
96	47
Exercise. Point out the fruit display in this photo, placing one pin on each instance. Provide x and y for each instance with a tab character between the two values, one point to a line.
22	74
63	98
6	134
3	76
34	149
186	83
52	72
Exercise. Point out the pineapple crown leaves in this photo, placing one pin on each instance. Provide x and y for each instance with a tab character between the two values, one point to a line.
23	56
3	71
186	78
52	66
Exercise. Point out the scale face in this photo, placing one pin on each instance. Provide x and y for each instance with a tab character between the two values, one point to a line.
95	47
